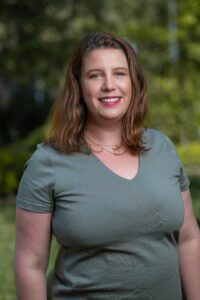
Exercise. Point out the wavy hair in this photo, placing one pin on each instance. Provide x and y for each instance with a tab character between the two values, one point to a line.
69	113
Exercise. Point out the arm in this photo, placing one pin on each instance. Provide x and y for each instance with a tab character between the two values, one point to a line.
33	238
189	251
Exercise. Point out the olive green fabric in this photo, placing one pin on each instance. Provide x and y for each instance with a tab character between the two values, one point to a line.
116	235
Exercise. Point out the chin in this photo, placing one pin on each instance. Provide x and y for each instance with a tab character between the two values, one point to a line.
112	117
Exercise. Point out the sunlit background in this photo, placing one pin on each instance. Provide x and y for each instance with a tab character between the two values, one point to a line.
36	39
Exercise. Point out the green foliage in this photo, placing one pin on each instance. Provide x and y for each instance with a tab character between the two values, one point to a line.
11	163
41	34
12	160
190	154
7	287
195	190
34	138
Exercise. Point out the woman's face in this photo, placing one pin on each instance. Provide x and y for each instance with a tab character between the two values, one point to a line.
106	84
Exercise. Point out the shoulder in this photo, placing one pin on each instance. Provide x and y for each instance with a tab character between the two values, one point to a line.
37	184
154	137
39	159
44	153
159	143
44	150
47	155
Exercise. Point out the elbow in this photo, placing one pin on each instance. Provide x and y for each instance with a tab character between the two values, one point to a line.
28	262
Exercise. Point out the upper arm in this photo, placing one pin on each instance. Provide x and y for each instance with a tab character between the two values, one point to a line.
37	185
190	229
33	238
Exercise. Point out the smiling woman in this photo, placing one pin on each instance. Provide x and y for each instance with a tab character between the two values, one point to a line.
113	193
70	113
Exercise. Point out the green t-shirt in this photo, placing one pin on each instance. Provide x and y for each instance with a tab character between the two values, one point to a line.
117	236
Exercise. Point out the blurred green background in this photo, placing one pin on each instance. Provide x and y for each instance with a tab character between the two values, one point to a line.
36	39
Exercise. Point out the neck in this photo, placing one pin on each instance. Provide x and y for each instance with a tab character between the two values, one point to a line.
104	134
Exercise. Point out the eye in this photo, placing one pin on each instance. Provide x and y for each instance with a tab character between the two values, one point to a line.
94	75
120	73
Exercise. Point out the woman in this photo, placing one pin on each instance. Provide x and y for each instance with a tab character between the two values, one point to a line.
113	193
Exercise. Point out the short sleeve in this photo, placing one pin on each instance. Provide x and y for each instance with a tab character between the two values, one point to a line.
183	178
35	192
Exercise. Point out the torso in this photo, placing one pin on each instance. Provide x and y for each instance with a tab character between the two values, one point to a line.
115	221
114	218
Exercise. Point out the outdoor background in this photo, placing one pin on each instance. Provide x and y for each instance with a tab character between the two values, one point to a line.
36	39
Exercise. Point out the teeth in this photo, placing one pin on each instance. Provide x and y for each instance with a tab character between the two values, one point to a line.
110	99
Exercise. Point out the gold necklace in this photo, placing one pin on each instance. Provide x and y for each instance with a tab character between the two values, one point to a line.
101	147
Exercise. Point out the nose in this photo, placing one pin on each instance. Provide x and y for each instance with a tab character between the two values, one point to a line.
108	83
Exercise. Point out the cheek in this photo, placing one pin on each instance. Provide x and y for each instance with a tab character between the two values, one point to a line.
125	85
88	95
88	91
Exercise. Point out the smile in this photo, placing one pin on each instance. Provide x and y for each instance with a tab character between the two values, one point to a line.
110	100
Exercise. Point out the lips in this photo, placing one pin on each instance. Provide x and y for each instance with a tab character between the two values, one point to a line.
110	100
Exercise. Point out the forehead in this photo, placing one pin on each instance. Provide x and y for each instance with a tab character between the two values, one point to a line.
104	57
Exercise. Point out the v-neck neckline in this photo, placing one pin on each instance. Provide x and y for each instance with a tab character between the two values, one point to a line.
109	171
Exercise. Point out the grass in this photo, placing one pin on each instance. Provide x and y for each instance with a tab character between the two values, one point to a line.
7	291
7	234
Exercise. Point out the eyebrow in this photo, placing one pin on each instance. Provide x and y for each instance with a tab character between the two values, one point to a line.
98	69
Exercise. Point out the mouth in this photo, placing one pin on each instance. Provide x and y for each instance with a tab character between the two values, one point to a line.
110	100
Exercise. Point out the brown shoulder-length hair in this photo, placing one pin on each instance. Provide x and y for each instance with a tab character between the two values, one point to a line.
68	115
